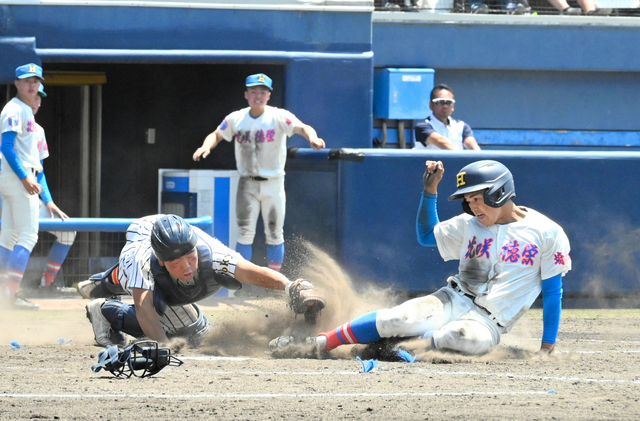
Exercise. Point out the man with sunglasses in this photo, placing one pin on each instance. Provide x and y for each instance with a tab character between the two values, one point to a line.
440	130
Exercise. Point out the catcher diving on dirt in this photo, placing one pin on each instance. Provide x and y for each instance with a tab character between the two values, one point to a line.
167	265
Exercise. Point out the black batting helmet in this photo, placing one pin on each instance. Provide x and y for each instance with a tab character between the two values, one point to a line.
172	237
491	176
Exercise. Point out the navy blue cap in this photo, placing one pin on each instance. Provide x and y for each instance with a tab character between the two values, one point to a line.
259	80
29	70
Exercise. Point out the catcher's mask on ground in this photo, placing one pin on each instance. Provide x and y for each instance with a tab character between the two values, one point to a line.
140	359
492	177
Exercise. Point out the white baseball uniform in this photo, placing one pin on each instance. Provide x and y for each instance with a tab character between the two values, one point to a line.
134	269
500	276
261	153
20	209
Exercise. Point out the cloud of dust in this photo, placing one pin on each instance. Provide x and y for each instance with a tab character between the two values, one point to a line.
420	348
616	255
249	334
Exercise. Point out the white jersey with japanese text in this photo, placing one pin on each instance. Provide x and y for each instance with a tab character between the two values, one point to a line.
260	143
503	265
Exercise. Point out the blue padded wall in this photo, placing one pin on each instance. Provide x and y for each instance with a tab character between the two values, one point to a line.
588	193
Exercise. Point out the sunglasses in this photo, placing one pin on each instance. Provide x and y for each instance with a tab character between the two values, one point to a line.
443	101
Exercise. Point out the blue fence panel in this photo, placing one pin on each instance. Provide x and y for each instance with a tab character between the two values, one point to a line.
588	193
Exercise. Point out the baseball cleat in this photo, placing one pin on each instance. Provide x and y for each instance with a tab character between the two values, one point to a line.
282	343
20	302
85	288
102	330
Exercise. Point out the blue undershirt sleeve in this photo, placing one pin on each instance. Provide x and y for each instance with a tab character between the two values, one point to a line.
551	308
8	141
427	219
46	194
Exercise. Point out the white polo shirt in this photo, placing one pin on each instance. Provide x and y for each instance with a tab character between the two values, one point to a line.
456	131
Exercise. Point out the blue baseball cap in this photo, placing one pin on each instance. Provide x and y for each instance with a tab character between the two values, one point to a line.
29	70
41	91
259	80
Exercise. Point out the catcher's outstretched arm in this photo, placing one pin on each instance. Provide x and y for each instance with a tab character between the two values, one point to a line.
250	273
304	299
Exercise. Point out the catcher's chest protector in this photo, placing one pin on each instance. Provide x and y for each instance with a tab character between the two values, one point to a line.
209	281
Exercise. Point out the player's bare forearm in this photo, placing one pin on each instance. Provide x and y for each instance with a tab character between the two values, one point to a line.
432	176
210	142
253	274
440	141
310	134
471	143
147	316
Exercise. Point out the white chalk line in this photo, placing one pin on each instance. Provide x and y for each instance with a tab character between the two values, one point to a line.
632	341
529	377
414	369
263	395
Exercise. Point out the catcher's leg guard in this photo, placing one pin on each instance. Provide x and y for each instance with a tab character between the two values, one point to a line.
102	285
194	333
103	332
122	317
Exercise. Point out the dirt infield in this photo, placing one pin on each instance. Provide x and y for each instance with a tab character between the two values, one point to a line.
595	374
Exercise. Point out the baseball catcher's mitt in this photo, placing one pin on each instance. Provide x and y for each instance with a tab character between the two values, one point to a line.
306	300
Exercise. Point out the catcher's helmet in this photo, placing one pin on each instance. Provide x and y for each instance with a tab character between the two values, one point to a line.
172	237
491	176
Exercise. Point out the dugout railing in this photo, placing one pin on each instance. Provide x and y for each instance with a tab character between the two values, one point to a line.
96	247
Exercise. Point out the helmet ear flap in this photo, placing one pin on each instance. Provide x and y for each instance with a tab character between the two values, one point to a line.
498	196
492	197
466	207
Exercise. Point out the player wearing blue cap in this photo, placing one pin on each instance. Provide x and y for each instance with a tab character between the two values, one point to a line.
260	133
19	184
48	209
